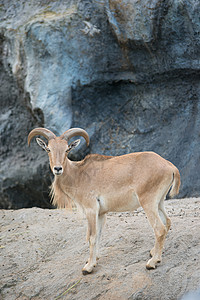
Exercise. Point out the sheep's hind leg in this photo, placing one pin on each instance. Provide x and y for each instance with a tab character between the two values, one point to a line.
165	219
162	212
160	232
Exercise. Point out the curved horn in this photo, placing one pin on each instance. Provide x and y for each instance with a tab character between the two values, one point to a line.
41	131
75	131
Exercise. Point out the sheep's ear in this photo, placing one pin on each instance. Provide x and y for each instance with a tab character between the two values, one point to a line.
42	144
73	145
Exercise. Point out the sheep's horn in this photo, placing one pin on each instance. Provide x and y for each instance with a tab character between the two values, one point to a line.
74	132
41	131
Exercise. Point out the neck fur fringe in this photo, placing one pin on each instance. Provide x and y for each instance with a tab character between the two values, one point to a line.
59	198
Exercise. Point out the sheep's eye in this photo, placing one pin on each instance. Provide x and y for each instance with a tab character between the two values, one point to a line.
47	149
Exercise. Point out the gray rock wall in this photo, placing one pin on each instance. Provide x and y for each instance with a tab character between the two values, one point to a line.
126	71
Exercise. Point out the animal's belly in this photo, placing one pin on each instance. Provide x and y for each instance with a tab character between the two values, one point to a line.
119	203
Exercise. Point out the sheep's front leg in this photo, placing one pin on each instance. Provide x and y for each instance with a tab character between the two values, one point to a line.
100	223
92	238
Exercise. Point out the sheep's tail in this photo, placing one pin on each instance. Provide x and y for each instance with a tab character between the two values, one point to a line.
175	183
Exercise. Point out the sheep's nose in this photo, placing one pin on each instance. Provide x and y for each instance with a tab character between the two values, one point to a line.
57	170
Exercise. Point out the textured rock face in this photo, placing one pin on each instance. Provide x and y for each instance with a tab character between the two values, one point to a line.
126	71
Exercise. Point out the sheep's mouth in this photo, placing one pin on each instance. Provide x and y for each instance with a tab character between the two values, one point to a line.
58	173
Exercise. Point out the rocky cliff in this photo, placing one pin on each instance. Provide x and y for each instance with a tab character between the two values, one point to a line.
125	71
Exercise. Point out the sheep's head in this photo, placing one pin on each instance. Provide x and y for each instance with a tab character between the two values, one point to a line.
58	147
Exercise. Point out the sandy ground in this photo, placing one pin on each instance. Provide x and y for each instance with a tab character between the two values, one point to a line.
43	252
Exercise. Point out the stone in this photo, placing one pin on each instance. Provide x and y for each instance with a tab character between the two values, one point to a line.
125	71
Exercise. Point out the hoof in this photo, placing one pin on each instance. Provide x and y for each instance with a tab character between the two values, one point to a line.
85	272
88	269
151	264
149	267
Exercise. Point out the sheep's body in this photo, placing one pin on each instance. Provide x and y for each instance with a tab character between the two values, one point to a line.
102	184
116	190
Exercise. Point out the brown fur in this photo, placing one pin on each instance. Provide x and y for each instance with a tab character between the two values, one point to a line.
100	184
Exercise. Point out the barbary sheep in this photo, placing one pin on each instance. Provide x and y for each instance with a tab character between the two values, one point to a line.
100	184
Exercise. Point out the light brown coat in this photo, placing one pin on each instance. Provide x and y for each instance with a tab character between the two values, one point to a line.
101	184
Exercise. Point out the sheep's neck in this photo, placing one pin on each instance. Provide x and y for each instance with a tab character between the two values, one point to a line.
65	187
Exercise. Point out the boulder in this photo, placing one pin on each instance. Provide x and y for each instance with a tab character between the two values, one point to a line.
125	71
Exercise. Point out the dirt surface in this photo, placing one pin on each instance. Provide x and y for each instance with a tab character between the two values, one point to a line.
43	252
